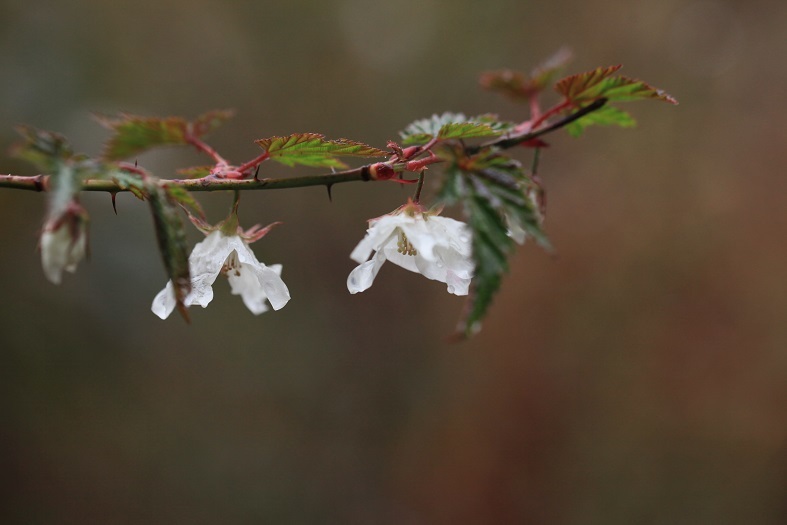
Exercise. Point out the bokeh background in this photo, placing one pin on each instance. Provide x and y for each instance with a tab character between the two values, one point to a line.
639	375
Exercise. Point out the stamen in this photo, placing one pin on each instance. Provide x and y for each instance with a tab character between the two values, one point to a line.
405	247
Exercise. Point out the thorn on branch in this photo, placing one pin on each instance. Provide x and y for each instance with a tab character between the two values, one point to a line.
114	194
328	187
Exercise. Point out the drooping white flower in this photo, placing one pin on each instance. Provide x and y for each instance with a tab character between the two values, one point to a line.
438	248
248	277
64	243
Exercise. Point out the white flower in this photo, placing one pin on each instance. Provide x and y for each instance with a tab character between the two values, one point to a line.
64	244
231	255
438	248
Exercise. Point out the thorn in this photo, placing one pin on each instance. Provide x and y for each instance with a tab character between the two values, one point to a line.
257	172
135	163
114	204
328	187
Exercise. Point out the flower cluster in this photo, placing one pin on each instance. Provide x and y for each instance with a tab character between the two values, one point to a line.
418	240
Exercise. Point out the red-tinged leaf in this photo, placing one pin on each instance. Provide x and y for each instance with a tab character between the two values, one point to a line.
513	84
313	149
542	75
520	86
257	232
133	135
46	150
600	83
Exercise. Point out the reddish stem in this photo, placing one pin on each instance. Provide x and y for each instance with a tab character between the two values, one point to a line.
253	163
205	148
554	110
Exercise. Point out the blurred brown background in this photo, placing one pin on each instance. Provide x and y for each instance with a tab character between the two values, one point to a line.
638	376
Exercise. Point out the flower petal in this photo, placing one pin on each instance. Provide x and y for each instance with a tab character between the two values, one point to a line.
377	235
362	277
164	302
273	285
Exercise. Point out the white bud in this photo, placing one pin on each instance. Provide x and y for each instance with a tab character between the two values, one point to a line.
64	244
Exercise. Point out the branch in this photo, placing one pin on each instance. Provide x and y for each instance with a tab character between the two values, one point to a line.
213	183
510	141
40	182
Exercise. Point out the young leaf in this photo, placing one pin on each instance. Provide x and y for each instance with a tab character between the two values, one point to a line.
312	149
171	238
466	130
133	135
44	149
453	126
604	116
519	86
592	85
493	190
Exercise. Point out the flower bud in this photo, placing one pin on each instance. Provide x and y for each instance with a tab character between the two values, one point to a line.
64	242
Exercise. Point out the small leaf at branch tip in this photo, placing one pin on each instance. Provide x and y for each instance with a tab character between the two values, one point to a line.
600	83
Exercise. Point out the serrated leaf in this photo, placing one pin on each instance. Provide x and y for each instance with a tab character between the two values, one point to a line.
186	200
466	130
604	116
453	126
520	86
493	190
133	134
313	149
171	238
44	149
600	83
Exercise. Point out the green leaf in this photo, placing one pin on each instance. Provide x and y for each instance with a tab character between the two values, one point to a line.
313	149
519	86
592	85
133	134
604	116
131	182
171	238
493	190
46	150
466	130
186	200
453	126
